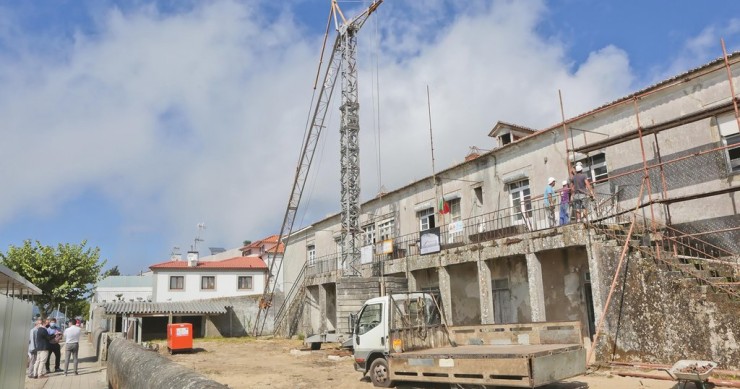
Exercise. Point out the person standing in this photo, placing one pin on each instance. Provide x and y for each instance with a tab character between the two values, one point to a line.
42	351
550	201
55	348
565	204
32	349
71	344
581	192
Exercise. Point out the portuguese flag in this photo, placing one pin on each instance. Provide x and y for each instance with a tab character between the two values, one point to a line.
444	207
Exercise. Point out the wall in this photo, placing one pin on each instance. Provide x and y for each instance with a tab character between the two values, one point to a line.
16	323
131	366
465	302
657	316
107	294
563	280
241	317
513	269
226	284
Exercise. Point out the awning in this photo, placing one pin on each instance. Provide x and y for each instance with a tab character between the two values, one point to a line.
13	284
165	308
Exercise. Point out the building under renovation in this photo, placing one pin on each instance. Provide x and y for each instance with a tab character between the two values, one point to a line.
653	270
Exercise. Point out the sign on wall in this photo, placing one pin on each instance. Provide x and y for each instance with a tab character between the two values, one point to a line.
366	254
429	241
385	247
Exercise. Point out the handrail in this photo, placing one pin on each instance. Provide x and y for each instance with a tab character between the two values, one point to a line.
283	310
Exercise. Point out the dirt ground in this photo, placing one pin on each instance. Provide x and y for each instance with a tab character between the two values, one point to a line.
243	363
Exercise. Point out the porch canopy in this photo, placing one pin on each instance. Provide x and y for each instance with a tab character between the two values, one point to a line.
178	308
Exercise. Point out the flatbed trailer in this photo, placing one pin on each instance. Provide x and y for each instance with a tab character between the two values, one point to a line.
400	346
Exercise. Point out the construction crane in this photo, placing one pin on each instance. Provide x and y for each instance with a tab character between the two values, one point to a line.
343	58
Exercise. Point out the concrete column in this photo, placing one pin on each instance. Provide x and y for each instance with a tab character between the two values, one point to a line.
446	294
536	290
484	289
322	309
411	282
595	259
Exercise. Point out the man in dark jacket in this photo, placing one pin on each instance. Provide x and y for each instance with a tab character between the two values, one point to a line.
55	335
42	351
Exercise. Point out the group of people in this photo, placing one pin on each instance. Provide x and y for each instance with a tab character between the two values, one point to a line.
44	339
581	189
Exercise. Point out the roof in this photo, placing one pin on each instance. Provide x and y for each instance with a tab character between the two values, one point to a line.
126	282
236	263
15	284
180	308
270	240
501	124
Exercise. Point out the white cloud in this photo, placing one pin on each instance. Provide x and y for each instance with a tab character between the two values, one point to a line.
198	116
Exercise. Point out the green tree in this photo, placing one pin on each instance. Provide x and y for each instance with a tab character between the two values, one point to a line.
111	272
65	274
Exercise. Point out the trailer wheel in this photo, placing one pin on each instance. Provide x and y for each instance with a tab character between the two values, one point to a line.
379	373
316	346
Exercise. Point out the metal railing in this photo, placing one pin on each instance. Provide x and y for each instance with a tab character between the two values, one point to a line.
527	216
289	298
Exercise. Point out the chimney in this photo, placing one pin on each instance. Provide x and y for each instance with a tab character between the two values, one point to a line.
192	258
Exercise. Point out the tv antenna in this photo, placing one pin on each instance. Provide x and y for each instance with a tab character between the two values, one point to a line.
201	228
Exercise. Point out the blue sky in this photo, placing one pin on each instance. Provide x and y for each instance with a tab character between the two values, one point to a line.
128	123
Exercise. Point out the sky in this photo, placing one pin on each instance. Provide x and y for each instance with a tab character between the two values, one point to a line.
127	123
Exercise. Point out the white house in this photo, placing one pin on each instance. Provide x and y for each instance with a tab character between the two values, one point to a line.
178	280
268	250
124	288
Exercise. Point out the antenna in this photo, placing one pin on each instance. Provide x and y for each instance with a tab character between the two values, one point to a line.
201	228
175	253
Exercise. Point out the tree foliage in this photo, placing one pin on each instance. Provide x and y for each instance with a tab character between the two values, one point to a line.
111	272
65	274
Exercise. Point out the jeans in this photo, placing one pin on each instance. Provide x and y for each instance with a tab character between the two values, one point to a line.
564	214
72	349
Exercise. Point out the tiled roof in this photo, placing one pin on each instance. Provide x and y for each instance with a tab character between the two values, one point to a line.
272	239
500	124
183	308
236	263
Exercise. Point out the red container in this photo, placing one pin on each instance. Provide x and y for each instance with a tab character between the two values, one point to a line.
179	337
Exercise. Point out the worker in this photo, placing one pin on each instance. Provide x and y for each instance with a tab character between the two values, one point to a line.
565	203
550	201
582	191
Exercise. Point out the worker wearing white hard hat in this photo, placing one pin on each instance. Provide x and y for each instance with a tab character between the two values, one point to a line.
550	201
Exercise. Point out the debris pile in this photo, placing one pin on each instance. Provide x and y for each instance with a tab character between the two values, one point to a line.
696	368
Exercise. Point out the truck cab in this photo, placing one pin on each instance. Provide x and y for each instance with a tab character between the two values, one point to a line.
372	328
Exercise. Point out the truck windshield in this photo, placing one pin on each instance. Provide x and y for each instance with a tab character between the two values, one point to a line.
369	318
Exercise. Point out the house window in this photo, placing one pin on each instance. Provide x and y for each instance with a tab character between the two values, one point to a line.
385	230
245	282
520	199
504	139
368	235
595	167
455	213
208	282
426	219
478	191
311	254
177	282
733	152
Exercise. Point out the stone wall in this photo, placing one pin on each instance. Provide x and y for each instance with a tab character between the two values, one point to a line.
241	317
661	317
131	366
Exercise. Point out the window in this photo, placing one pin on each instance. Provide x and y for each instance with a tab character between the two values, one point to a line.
177	282
369	318
478	191
504	139
455	213
519	195
385	230
733	153
368	235
245	282
311	254
595	167
208	282
426	219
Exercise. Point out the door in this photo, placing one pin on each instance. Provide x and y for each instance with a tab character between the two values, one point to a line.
369	331
501	301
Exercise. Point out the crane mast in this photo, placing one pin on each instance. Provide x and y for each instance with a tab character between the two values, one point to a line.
343	58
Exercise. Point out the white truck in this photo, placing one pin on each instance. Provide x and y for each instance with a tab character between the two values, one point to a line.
402	339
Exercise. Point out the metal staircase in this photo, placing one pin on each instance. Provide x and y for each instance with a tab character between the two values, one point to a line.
295	296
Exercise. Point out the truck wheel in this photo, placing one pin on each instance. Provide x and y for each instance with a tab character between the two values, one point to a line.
316	346
380	374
